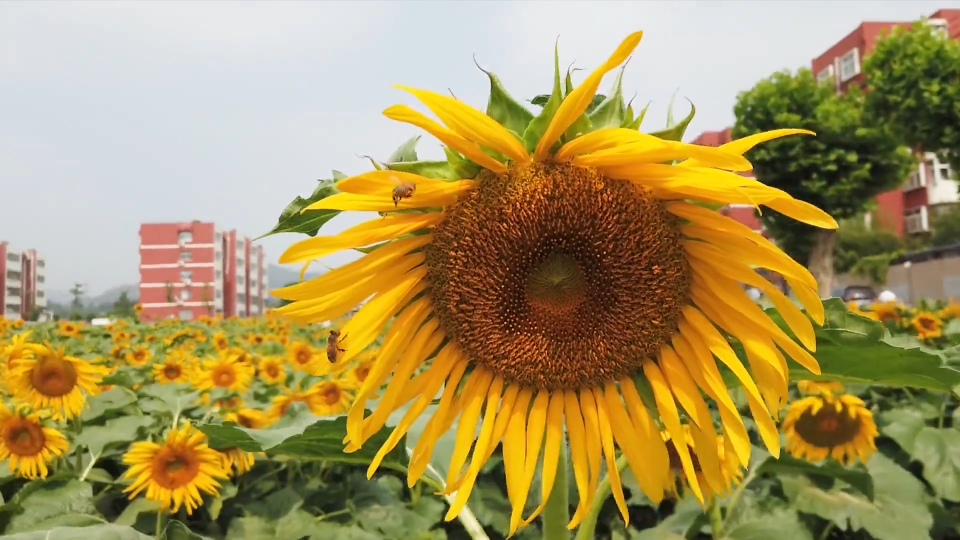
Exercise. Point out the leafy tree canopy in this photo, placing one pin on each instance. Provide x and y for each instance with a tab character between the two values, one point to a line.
851	159
914	79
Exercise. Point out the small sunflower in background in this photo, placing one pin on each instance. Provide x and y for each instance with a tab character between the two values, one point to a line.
950	311
828	388
236	458
731	473
226	372
69	329
52	380
138	355
330	397
300	356
272	370
220	341
138	307
839	427
558	259
281	403
175	471
175	368
248	418
27	444
886	312
927	325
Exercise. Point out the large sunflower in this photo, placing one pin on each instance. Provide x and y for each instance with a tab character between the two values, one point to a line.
27	444
540	272
53	380
731	472
174	472
821	426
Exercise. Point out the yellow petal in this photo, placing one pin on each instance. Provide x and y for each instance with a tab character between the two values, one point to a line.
384	202
382	184
387	228
594	401
471	150
472	124
802	211
551	453
642	152
576	103
604	139
745	144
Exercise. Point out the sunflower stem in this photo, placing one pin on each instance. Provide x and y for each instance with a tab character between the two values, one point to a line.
159	527
588	526
716	520
827	530
556	513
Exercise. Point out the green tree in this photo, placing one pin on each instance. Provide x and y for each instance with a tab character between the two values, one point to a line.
856	241
123	307
914	79
945	228
76	305
850	160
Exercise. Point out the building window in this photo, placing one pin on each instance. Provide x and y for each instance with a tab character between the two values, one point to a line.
13	275
942	172
916	220
938	26
186	256
41	263
218	275
40	279
240	280
13	257
186	274
915	180
185	236
186	314
39	294
825	74
239	243
850	65
218	294
217	238
217	255
185	294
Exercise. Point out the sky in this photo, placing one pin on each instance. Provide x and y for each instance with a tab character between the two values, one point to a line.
117	113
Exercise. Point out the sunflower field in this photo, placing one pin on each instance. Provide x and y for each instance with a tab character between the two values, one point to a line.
546	335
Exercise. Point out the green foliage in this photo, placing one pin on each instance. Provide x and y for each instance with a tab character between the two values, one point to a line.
851	159
293	220
123	307
945	228
914	78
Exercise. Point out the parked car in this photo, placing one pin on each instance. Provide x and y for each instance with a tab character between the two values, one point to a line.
861	294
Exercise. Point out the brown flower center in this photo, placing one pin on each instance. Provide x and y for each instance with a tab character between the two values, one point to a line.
555	277
175	466
23	437
171	371
223	375
272	370
828	428
303	355
53	376
330	393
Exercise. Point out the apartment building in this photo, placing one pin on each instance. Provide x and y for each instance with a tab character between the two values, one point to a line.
932	187
196	268
23	275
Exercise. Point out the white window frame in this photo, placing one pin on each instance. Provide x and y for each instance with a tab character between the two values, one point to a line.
852	55
186	274
185	294
186	256
185	237
917	178
825	74
188	313
916	220
939	26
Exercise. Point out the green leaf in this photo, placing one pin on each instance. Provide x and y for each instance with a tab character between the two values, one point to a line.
279	518
677	525
407	151
51	504
136	507
675	133
293	220
939	451
537	126
303	436
903	426
440	170
635	124
859	479
503	108
582	124
113	399
845	340
117	430
780	524
97	532
611	112
176	530
169	398
463	167
898	512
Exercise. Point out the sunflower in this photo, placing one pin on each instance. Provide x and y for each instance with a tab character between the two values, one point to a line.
18	348
27	444
53	380
174	472
821	426
235	457
550	263
728	467
175	368
138	307
927	325
248	418
281	403
886	311
69	329
950	311
138	355
827	388
226	372
330	397
300	355
220	341
272	370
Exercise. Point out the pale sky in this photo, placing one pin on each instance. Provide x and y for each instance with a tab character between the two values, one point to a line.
117	113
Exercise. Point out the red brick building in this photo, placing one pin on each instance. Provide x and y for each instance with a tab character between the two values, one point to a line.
932	185
194	268
22	282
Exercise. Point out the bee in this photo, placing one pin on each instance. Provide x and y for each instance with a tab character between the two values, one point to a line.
333	345
404	190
